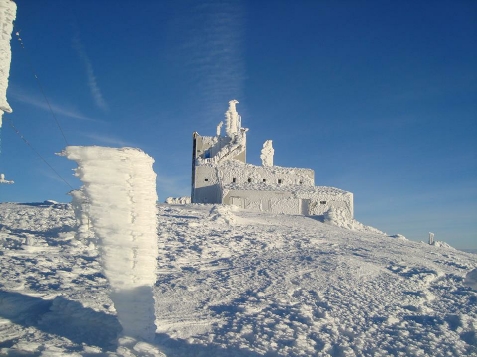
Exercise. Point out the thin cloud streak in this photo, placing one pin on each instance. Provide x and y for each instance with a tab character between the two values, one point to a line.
92	82
212	51
109	140
58	110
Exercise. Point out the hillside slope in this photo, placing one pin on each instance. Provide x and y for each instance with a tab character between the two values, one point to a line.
237	283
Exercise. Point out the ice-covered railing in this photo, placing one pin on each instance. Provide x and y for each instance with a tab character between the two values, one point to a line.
120	187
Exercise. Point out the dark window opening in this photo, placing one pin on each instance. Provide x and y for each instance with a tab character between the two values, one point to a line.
264	180
322	202
206	179
234	179
279	180
301	182
249	179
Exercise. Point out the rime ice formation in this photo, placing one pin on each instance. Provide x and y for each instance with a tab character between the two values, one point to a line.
219	128
8	10
120	186
80	205
233	121
266	154
3	180
178	200
220	174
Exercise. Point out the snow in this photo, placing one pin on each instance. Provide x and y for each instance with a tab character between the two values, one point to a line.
231	282
8	11
178	200
266	155
232	119
120	188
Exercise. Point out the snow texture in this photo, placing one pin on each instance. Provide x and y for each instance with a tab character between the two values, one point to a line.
232	282
120	186
178	200
8	10
266	155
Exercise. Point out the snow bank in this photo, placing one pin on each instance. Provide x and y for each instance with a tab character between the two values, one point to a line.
339	217
471	279
120	186
178	200
8	10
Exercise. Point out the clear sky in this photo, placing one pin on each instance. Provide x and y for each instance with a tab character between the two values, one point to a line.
378	97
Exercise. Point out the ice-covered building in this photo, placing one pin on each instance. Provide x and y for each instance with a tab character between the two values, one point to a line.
220	174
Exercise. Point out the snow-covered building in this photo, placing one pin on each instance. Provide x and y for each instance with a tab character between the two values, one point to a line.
220	174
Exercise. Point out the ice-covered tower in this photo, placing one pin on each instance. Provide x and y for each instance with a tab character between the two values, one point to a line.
8	10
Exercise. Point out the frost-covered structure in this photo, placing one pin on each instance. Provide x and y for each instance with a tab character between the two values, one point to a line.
8	10
220	174
120	187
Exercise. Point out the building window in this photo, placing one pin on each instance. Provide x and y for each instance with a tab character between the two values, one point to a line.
234	179
322	202
264	180
249	179
206	179
279	180
301	182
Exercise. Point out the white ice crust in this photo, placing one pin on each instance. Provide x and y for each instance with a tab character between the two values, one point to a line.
233	122
266	155
120	186
8	10
3	180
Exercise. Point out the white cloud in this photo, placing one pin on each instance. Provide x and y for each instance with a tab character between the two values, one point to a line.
92	82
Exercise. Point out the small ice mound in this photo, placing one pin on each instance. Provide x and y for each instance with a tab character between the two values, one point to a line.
398	236
441	244
129	347
222	214
178	200
339	217
471	279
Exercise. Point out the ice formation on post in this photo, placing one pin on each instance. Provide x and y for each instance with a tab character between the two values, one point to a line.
8	10
120	186
232	119
266	155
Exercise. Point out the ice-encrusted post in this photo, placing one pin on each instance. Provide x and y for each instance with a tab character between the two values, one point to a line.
8	11
120	186
232	119
267	153
431	238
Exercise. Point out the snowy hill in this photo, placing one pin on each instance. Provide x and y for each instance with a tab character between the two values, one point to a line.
237	283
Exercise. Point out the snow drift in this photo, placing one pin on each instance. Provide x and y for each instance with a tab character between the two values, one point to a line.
120	186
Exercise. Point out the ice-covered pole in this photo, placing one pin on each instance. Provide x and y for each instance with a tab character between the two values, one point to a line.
8	10
120	186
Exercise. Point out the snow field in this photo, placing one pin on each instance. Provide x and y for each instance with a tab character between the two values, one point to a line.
237	283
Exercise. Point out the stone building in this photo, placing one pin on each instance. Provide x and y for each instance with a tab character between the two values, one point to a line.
220	174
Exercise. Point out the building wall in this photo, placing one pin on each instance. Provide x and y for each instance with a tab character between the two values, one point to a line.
309	203
268	175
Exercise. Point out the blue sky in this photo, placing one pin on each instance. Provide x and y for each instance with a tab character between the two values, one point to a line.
378	97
